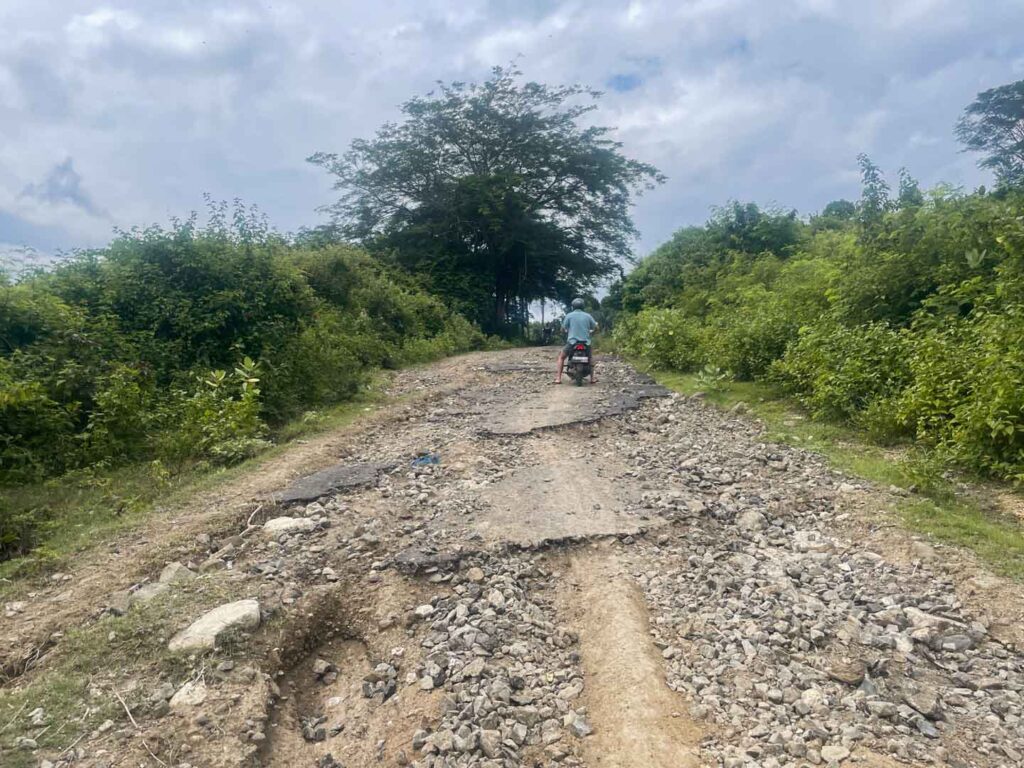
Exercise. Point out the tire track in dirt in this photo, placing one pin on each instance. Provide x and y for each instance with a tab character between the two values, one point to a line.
638	722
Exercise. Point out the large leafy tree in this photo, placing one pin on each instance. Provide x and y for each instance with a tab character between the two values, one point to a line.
498	193
994	124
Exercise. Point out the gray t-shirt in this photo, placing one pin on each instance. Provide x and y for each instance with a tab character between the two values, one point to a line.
578	324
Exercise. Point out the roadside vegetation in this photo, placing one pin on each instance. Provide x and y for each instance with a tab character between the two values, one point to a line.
128	371
899	316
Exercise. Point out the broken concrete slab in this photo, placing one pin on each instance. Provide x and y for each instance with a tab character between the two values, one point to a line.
630	398
414	560
568	406
331	480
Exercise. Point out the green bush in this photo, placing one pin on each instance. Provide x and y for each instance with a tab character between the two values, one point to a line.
748	337
967	397
839	372
124	415
901	317
35	430
664	337
192	344
19	528
219	420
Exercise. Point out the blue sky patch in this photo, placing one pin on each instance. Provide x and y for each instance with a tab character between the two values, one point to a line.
624	82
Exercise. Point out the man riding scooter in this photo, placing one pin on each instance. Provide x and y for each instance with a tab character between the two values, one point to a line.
578	326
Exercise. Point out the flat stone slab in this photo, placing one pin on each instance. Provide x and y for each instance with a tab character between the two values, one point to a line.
566	405
331	480
202	634
278	525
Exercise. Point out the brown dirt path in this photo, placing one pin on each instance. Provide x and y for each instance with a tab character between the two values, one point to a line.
638	722
169	532
522	463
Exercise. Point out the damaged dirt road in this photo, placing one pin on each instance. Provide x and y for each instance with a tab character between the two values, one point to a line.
497	572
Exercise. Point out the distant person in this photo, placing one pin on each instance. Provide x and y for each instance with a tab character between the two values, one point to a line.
578	325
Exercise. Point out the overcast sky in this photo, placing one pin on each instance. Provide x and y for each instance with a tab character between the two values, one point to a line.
121	114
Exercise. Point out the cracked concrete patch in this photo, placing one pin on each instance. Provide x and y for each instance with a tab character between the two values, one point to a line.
331	480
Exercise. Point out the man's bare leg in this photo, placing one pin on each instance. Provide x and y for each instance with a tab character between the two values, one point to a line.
561	362
593	368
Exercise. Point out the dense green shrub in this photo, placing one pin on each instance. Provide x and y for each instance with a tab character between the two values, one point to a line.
35	430
219	420
840	372
966	395
664	337
191	344
903	317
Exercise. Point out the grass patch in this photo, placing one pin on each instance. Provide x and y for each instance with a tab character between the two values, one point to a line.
936	509
83	508
127	654
998	541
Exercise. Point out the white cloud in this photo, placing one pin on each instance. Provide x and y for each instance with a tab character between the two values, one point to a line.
159	102
86	32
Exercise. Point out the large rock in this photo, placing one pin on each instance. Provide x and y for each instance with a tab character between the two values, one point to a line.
490	743
119	602
751	521
920	620
834	754
203	633
848	672
191	694
925	700
413	560
175	573
147	592
278	525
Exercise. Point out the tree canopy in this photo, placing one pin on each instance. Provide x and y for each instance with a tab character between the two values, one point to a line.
496	193
994	124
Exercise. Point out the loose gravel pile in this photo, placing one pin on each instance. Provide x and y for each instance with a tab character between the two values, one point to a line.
801	647
510	673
